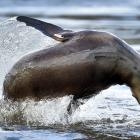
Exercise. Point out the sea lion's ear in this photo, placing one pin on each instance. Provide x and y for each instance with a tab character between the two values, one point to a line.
48	29
64	36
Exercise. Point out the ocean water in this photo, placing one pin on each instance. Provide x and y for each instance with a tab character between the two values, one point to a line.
112	114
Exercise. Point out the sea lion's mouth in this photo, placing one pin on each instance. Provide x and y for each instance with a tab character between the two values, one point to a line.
136	99
136	94
135	88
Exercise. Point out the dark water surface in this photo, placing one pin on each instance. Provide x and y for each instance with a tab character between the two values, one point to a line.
113	114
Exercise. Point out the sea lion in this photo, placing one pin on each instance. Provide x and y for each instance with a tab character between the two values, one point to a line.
83	64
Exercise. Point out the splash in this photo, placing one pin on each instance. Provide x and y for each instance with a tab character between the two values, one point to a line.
16	40
114	104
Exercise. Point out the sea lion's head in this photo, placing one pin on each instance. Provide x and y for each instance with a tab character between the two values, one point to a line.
135	87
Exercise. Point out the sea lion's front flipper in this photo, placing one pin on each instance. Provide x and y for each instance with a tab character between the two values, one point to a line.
48	29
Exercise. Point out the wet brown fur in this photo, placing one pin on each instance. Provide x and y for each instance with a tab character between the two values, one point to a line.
86	64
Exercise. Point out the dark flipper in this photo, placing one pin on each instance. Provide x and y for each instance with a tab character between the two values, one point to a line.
73	105
48	29
75	102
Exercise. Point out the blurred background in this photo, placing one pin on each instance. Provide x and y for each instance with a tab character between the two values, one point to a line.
121	17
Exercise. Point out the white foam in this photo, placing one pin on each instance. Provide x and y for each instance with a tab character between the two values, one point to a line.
16	40
112	103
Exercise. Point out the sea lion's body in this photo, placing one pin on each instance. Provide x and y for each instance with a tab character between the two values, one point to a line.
85	64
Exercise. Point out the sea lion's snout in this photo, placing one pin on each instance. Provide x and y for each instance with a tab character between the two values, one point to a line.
136	96
136	99
135	88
